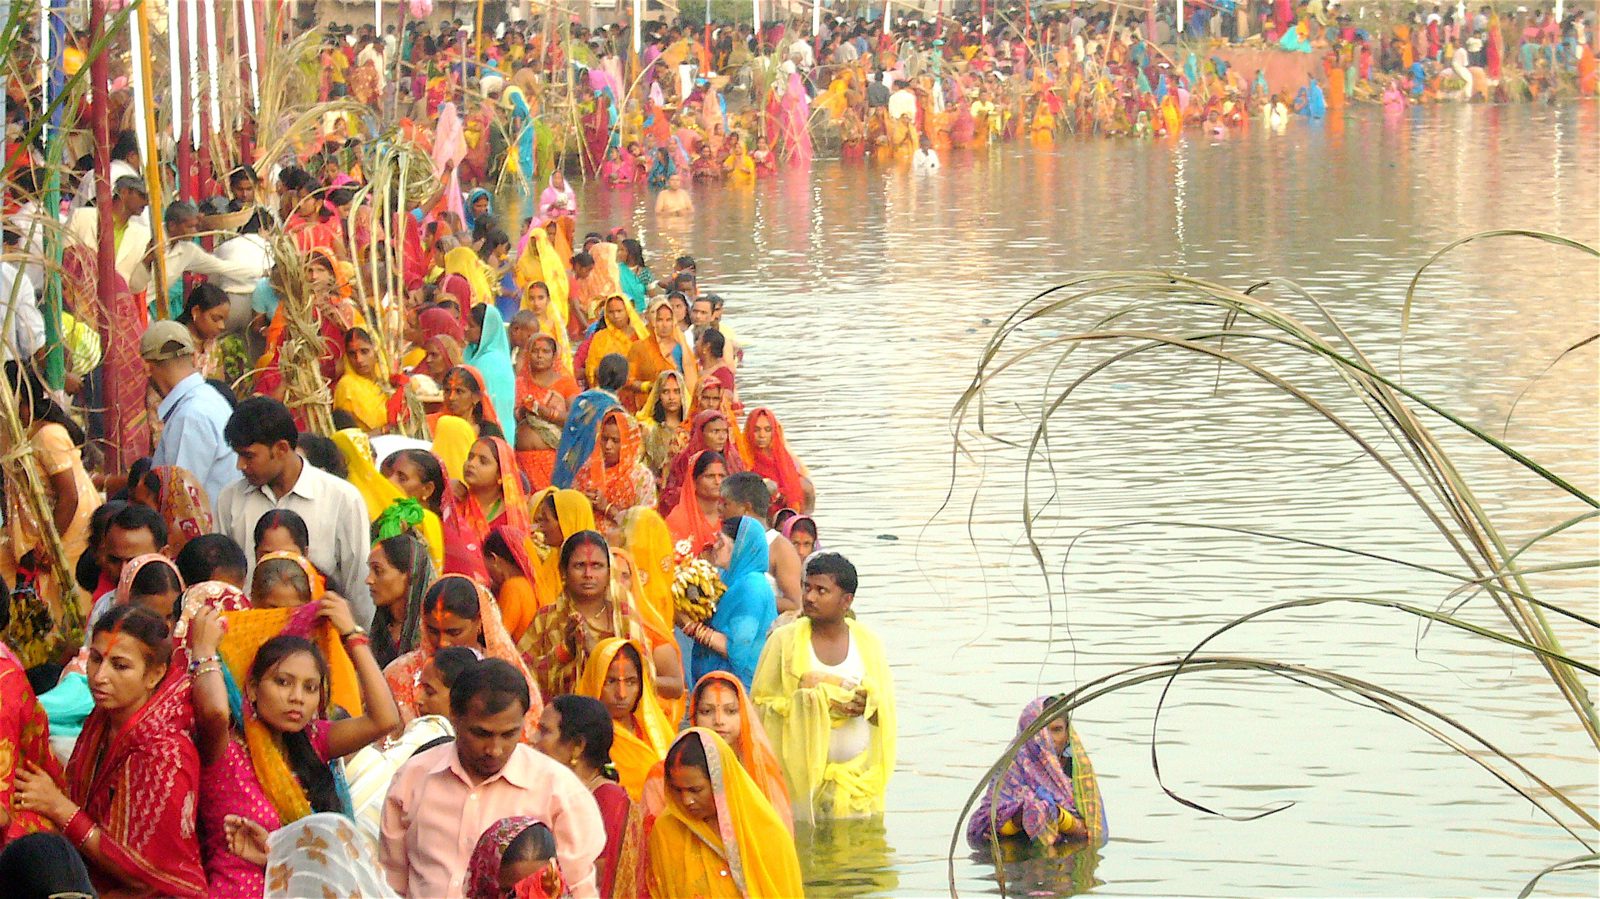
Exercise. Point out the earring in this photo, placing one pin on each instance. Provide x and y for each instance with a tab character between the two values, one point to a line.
574	762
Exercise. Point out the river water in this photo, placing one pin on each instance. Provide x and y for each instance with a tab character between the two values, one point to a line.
865	295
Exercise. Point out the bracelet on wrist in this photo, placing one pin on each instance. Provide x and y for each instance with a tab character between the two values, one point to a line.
78	827
196	663
355	640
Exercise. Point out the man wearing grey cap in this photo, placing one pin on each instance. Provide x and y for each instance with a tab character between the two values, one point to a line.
129	199
193	413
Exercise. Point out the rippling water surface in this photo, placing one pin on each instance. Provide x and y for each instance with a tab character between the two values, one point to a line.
865	295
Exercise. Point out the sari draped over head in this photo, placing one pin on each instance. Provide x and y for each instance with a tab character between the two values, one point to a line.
362	397
689	521
662	441
219	595
602	282
580	433
385	647
184	506
140	783
540	261
575	514
404	675
646	362
753	749
557	643
744	852
453	437
324	855
124	593
801	720
746	610
466	523
487	409
319	584
483	867
641	743
557	202
491	356
682	468
776	463
24	740
464	263
438	322
471	220
611	340
518	601
1040	792
649	541
626	484
388	508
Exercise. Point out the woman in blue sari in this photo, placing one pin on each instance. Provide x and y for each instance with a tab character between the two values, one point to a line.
633	274
490	354
734	636
479	209
584	414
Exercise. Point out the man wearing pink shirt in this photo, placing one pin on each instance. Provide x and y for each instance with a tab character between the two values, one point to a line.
443	799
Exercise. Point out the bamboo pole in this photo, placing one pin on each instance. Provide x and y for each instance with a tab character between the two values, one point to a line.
152	160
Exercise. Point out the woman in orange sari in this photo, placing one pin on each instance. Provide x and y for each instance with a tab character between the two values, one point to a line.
664	349
615	479
695	518
543	389
488	494
508	555
457	612
617	336
466	396
617	675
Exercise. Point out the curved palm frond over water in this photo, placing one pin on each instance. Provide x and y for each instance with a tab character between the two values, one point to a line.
1050	354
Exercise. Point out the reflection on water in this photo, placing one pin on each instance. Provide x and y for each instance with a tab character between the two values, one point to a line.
864	296
1029	870
851	857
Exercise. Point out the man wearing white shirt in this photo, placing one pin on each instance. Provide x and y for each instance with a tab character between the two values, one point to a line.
25	336
263	434
184	255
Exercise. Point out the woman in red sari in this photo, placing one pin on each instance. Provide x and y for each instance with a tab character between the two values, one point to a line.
709	431
24	743
132	781
770	458
489	493
696	518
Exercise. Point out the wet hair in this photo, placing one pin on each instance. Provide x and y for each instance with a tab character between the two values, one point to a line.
831	563
534	844
704	462
273	572
323	453
211	557
494	683
632	249
204	298
260	420
432	472
315	775
455	594
585	718
688	752
748	489
289	520
714	341
451	661
134	517
141	624
30	390
612	372
583	538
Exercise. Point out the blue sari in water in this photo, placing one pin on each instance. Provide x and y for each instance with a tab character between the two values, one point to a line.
745	612
580	433
491	356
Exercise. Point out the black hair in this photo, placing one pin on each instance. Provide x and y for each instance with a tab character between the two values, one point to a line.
730	526
142	472
88	571
612	372
134	517
260	420
831	563
714	341
487	429
704	462
583	538
534	844
688	751
450	661
495	545
127	144
154	580
582	257
585	719
495	683
242	174
323	453
805	525
684	262
210	556
631	248
289	520
273	572
748	489
354	334
717	302
204	298
404	552
30	390
456	594
493	239
314	774
297	178
432	472
141	624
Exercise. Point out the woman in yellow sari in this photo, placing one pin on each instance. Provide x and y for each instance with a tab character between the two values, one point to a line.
648	540
464	262
557	515
452	440
617	676
389	509
618	336
360	389
719	836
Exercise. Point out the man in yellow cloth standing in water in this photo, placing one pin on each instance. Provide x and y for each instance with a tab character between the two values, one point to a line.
826	700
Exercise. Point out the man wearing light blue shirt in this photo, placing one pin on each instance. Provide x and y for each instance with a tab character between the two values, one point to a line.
193	413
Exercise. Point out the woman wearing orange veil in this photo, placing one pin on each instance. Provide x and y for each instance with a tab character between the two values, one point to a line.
544	389
488	494
662	350
695	518
615	479
618	675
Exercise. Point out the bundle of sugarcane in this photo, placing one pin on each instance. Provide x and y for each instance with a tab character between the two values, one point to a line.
302	347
